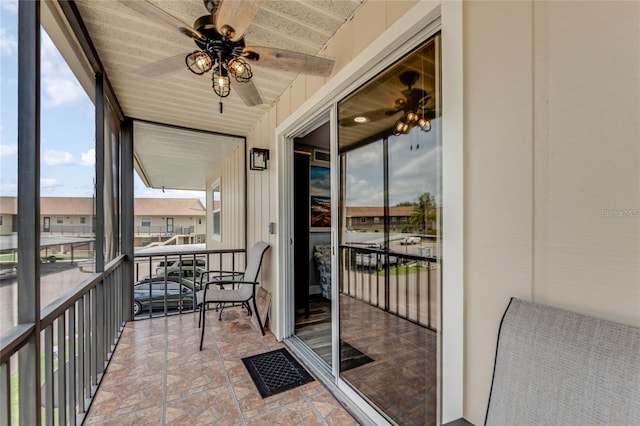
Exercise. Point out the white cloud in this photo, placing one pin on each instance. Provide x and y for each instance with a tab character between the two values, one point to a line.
88	158
8	43
59	85
8	189
57	158
49	184
363	192
7	151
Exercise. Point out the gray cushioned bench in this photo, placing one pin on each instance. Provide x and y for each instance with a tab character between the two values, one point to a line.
555	367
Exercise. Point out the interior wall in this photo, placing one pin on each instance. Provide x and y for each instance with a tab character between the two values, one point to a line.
315	238
552	160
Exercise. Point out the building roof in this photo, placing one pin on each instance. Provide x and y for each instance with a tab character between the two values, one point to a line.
84	206
173	206
378	211
8	205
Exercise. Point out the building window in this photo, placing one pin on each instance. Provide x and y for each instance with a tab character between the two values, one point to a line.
216	213
0	220
394	219
83	220
146	221
376	220
363	220
59	220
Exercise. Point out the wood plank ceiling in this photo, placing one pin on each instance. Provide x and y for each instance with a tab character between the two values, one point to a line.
126	41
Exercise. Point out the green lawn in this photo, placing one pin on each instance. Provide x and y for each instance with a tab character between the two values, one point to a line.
15	389
405	269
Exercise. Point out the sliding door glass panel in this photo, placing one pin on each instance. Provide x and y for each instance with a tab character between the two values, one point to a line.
389	238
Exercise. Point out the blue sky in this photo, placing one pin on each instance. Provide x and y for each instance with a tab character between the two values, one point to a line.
414	168
67	130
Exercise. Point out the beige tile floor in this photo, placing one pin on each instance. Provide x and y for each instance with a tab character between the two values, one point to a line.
157	376
402	378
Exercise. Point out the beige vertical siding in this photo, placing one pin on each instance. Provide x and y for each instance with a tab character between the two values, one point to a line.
587	225
552	155
232	182
498	180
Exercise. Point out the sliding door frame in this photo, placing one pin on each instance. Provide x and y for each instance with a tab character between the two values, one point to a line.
409	32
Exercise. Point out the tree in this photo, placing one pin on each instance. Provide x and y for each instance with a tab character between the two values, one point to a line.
407	203
424	212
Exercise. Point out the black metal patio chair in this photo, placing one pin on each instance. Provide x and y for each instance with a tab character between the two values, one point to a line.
232	287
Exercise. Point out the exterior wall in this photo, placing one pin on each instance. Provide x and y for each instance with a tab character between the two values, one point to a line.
371	20
160	222
552	184
232	185
7	224
552	162
70	224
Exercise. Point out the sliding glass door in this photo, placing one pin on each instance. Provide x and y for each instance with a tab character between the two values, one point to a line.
389	232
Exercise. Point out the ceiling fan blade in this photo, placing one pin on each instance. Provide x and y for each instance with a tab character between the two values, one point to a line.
163	66
233	17
288	60
154	13
248	93
366	117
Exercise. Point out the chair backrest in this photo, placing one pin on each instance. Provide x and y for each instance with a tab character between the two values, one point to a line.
254	261
555	367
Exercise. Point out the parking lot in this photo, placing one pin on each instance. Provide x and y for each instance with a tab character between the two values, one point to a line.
56	279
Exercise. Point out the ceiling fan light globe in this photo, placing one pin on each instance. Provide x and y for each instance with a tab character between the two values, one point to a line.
221	84
240	70
425	125
198	62
412	117
400	128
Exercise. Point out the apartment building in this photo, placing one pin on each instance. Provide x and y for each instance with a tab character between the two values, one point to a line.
157	220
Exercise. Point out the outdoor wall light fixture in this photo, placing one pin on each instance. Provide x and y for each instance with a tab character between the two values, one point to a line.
258	158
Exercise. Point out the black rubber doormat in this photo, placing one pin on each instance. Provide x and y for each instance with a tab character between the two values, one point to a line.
276	371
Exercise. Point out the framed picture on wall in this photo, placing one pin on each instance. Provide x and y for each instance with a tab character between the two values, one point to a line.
319	197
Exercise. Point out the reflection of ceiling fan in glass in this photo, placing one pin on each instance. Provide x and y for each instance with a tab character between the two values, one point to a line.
221	48
413	107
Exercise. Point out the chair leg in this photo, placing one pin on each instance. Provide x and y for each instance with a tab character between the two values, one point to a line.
246	305
255	309
202	317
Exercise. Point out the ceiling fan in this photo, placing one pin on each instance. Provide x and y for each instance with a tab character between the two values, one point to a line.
413	107
219	36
